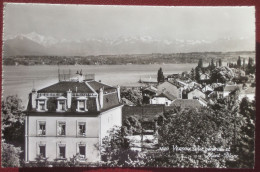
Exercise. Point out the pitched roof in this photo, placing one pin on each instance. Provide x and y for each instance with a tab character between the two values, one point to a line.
110	100
145	112
81	87
97	85
215	85
208	92
186	103
64	86
151	88
195	90
168	87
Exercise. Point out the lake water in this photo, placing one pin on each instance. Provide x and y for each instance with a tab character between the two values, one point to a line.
19	80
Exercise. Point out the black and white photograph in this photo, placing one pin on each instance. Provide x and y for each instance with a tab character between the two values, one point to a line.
128	86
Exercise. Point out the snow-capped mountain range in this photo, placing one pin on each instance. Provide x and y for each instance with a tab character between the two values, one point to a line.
36	44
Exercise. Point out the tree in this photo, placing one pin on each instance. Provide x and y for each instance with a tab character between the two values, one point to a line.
250	67
245	148
133	125
13	121
117	152
239	62
132	95
200	63
197	73
10	155
192	74
12	131
160	76
212	65
203	128
220	62
222	74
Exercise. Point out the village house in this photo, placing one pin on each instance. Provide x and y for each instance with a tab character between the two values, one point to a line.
164	98
148	94
196	94
173	77
225	90
204	78
207	88
170	88
71	117
193	84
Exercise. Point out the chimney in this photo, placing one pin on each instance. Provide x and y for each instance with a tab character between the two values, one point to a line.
34	97
80	78
69	97
118	93
101	95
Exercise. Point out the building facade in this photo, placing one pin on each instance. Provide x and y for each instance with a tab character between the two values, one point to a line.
71	118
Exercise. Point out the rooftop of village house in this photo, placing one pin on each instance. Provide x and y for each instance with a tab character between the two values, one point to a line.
90	86
81	86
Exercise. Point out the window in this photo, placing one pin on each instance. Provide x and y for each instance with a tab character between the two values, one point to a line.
61	128
42	105
42	128
62	104
42	151
82	151
195	97
62	151
81	105
82	128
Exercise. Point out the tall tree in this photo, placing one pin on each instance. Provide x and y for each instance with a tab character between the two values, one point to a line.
212	64
192	74
13	121
220	62
200	63
250	67
160	76
239	62
197	73
244	147
12	131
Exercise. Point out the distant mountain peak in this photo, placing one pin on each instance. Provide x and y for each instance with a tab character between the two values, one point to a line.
35	37
36	44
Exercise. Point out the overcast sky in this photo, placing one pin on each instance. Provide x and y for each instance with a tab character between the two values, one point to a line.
74	22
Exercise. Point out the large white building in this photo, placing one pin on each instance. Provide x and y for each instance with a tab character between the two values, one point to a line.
71	117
